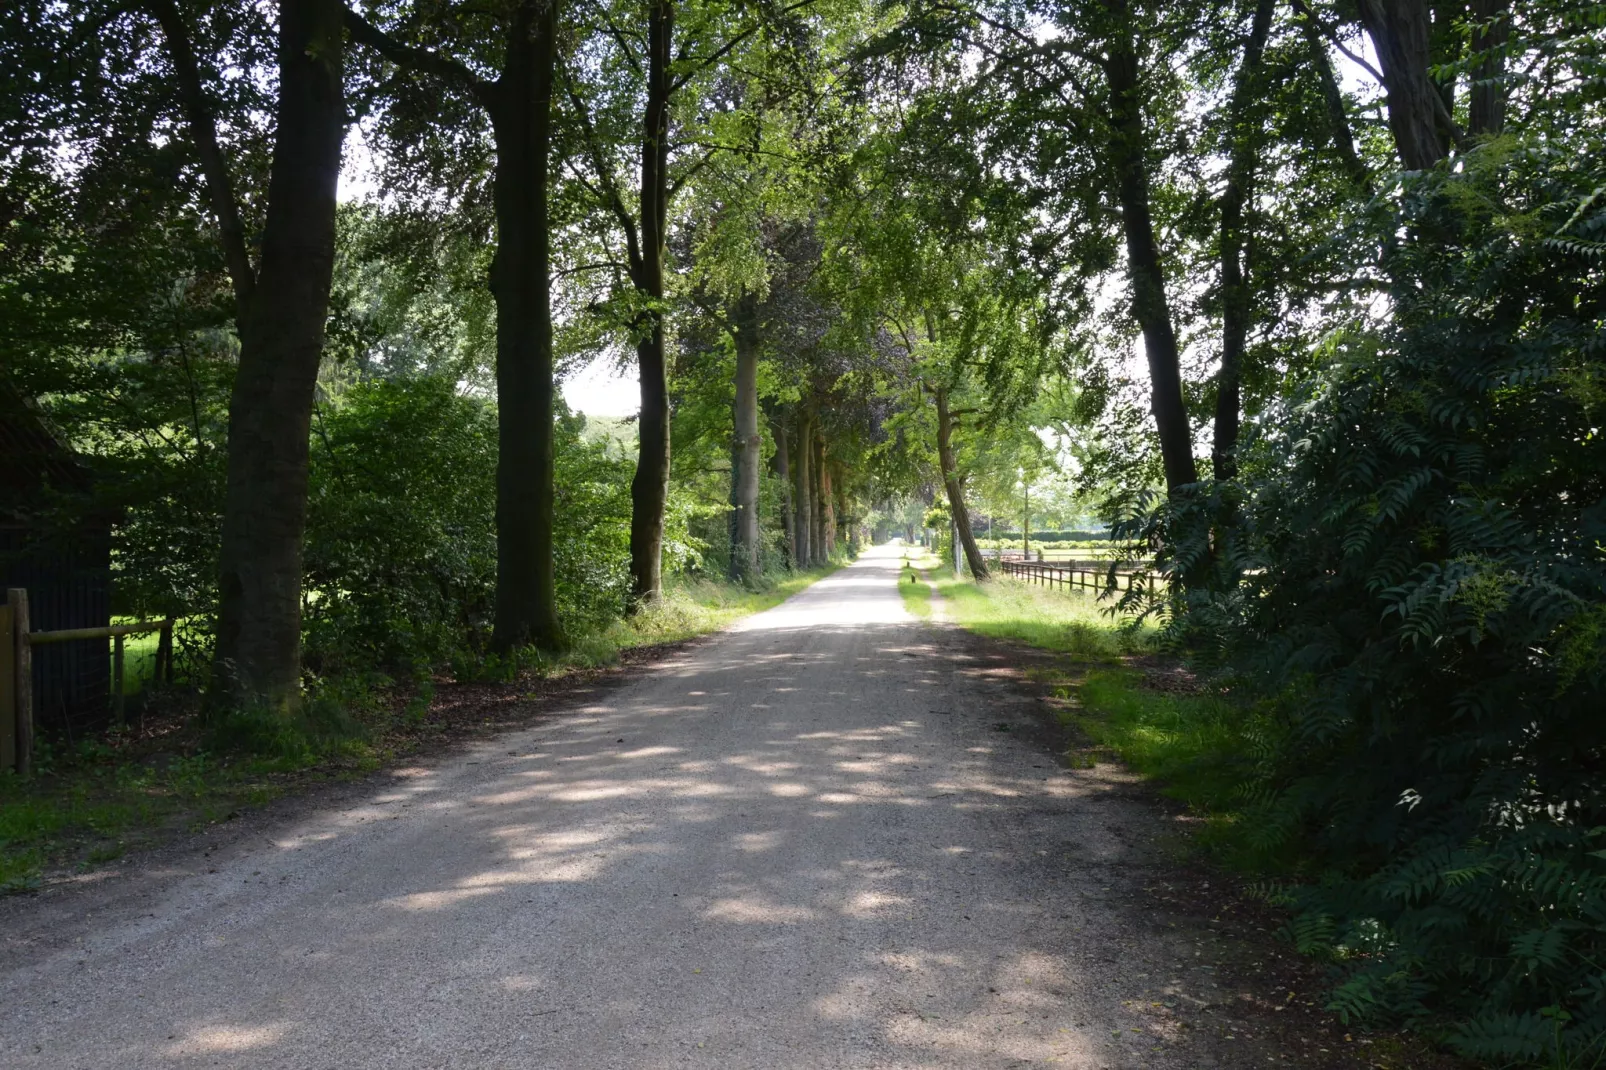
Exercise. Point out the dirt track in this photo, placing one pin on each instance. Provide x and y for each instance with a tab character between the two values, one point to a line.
816	841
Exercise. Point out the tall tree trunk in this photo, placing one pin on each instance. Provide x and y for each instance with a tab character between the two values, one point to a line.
783	473
955	486
257	661
828	505
1235	291
1491	27
1129	148
1337	117
803	473
521	116
649	490
1402	34
745	454
822	551
519	104
844	524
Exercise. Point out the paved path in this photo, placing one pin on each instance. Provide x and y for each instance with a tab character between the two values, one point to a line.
802	844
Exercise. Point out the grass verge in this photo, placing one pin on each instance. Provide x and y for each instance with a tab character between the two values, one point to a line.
90	801
1123	697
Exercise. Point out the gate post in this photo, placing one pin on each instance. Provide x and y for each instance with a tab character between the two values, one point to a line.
21	677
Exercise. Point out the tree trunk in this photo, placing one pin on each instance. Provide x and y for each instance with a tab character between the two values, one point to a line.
1235	294
649	490
745	455
844	525
257	661
803	473
822	551
955	486
1491	27
828	505
1129	150
521	116
783	472
1402	35
1026	520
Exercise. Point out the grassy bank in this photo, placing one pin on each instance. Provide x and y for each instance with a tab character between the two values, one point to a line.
92	800
1126	700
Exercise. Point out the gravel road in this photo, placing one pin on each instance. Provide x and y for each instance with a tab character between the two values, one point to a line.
809	842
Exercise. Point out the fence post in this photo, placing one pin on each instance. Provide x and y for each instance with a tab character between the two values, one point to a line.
22	670
118	709
8	691
164	653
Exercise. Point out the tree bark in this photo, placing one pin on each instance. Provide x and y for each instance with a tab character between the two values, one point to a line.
817	509
828	510
257	660
1491	28
783	472
1235	269
1129	153
843	523
746	443
521	117
955	486
649	490
1402	34
803	473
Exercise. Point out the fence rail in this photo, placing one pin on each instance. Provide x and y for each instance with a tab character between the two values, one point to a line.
16	670
1066	576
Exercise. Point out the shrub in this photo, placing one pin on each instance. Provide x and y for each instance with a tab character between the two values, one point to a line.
1417	590
401	536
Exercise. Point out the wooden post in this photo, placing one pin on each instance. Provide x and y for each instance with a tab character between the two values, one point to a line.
8	691
22	670
118	710
164	654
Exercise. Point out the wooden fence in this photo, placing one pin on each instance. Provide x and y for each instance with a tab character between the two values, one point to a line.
16	671
1088	575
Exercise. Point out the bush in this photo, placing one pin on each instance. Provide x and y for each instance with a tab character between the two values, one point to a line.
401	535
1419	599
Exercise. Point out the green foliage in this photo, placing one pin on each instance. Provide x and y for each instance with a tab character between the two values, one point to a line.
1416	588
401	539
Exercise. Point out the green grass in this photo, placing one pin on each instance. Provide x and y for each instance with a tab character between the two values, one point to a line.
692	607
87	807
89	803
139	656
1195	746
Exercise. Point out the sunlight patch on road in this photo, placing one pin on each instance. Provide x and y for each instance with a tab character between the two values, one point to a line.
752	911
213	1039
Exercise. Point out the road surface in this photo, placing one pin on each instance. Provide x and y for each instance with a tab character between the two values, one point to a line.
805	843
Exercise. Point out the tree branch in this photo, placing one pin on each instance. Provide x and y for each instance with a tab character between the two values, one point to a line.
624	44
417	59
598	266
1332	35
691	172
610	190
720	52
203	129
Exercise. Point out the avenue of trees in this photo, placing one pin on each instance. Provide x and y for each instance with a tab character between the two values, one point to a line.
1307	300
